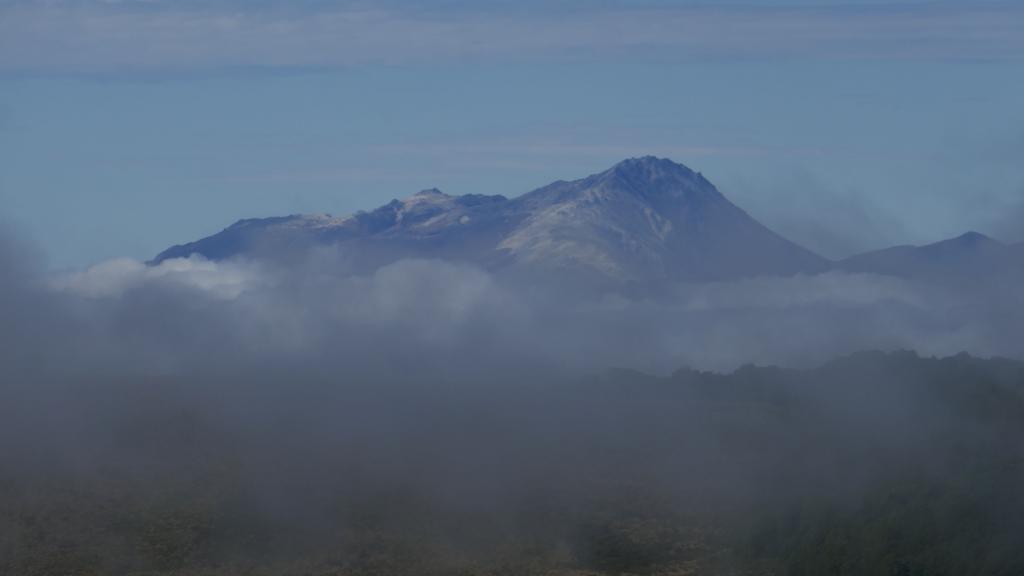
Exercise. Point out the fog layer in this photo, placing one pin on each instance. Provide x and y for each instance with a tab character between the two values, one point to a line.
427	417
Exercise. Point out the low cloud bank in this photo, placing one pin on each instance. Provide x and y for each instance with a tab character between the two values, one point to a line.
457	315
196	413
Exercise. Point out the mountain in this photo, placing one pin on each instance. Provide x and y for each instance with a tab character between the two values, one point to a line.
649	219
427	224
643	221
971	257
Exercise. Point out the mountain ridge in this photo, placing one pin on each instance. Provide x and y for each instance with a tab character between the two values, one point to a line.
971	256
643	221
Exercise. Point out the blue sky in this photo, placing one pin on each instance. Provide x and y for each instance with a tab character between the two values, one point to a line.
129	126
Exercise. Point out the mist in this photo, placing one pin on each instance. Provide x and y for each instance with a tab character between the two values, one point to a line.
315	305
430	417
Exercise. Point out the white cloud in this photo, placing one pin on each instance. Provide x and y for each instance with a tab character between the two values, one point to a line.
415	310
114	277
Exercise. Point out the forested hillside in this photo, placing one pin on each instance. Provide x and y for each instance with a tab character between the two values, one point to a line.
872	464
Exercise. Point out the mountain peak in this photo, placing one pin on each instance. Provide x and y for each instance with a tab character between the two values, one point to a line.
429	192
656	180
649	167
970	240
972	237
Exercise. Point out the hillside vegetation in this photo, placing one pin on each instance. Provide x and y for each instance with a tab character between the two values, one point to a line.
874	464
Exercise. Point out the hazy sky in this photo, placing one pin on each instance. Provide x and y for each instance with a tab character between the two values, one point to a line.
127	126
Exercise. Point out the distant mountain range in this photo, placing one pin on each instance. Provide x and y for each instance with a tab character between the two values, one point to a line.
643	222
968	257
